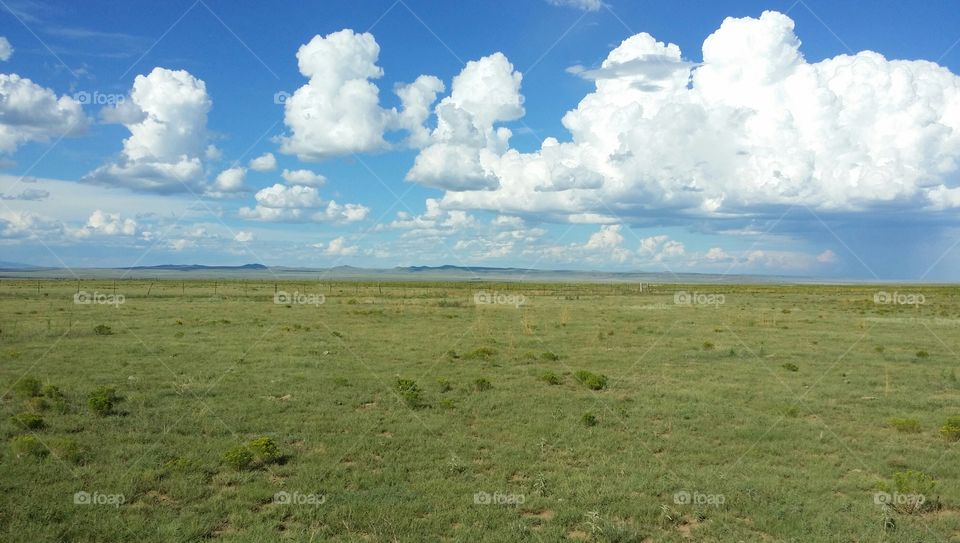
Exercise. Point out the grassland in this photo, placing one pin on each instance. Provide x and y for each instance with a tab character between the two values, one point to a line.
398	411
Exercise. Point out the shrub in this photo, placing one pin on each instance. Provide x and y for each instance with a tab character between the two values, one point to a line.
911	426
27	387
410	392
483	353
589	419
445	385
103	400
590	380
923	354
951	428
239	458
28	446
551	378
38	403
53	392
28	421
265	449
707	345
102	330
70	451
916	492
482	384
790	366
548	356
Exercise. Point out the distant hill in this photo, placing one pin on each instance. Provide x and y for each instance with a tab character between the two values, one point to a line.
16	266
195	267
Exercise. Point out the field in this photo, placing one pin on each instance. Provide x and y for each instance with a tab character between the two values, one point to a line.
410	412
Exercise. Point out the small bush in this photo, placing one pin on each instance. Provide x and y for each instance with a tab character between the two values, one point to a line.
923	354
483	353
28	446
239	458
951	429
103	400
38	403
910	426
27	387
551	378
590	380
410	392
707	345
70	451
265	449
445	385
28	421
102	330
790	366
548	356
482	384
916	492
53	392
589	419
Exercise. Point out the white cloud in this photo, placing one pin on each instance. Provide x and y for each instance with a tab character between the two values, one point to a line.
29	112
166	140
338	247
827	257
417	97
230	181
296	203
264	163
303	177
585	5
6	50
108	224
753	128
243	236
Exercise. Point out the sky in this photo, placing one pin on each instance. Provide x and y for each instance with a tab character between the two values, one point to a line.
811	138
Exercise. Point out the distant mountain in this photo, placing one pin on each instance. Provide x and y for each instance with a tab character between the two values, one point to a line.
196	267
16	266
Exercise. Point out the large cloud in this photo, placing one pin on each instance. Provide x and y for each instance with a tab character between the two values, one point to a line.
298	203
753	128
167	119
29	112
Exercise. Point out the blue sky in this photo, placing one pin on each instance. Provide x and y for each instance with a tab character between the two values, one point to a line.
550	134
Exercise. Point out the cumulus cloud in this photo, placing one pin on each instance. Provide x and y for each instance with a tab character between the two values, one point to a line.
303	177
337	247
298	203
465	142
229	181
108	224
6	50
167	138
31	113
30	195
585	5
264	163
243	236
753	128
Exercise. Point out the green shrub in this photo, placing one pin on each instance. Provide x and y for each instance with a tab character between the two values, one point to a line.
910	426
551	378
589	419
53	392
265	449
923	354
590	380
409	392
914	492
790	366
28	446
548	356
951	428
38	403
239	458
707	345
445	385
70	451
103	400
102	330
483	353
27	387
482	384
28	421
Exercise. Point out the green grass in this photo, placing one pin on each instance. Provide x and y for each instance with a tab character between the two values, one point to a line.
185	415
